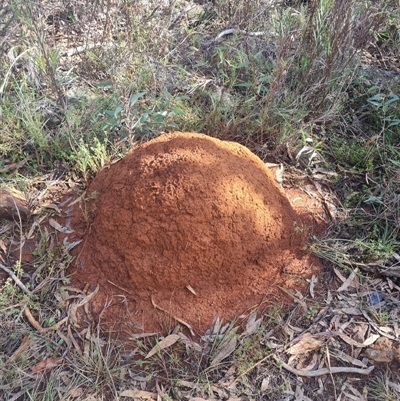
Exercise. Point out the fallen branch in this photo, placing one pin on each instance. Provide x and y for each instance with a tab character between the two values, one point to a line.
17	281
323	371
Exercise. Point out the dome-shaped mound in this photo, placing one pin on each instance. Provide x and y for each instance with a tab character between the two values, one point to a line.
187	224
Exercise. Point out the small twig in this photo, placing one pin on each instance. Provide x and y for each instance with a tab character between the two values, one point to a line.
38	326
323	371
32	320
16	396
174	317
65	339
17	281
56	326
376	327
72	338
10	70
121	288
295	298
328	358
250	369
230	31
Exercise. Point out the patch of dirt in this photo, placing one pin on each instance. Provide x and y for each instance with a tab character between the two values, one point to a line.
186	227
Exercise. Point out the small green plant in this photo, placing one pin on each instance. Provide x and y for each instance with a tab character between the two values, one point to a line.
312	311
274	315
91	158
250	351
88	211
382	389
352	154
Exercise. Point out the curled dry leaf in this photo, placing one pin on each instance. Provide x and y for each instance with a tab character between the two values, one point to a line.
3	246
323	371
265	384
165	343
347	358
305	343
312	282
353	343
72	245
59	227
73	308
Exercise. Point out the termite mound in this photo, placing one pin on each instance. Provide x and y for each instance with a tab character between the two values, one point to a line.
185	227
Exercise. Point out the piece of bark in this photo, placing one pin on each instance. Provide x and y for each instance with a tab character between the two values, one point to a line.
13	205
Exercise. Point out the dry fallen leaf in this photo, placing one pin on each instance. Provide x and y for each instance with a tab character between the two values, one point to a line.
371	140
48	364
312	282
252	325
139	394
190	343
59	227
197	399
305	343
190	288
76	392
347	358
350	281
227	346
71	245
3	246
384	351
165	343
265	384
21	349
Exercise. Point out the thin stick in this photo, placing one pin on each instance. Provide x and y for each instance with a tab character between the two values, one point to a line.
38	326
250	369
122	289
176	318
17	281
323	371
65	339
72	338
55	326
32	320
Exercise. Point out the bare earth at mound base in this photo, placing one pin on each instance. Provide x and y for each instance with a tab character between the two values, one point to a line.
186	227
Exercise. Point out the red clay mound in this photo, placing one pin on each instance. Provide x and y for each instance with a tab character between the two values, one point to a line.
185	226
